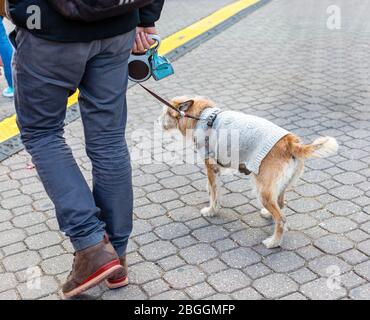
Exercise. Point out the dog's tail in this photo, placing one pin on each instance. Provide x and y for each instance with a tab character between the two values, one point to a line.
321	148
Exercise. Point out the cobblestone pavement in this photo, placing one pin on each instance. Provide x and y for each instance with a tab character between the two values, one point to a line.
281	63
177	14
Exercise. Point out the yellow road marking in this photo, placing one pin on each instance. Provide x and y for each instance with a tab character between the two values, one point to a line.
202	26
8	127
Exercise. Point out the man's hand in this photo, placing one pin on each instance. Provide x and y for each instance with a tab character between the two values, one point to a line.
142	41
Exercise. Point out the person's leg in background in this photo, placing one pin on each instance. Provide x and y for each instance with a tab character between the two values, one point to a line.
104	114
41	94
6	52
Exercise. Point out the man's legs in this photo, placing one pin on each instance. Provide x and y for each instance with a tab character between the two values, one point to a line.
104	114
44	73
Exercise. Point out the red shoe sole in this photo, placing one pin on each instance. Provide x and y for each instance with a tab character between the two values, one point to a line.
101	274
117	284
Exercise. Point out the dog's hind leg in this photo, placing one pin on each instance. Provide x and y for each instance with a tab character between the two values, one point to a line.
290	174
281	199
273	207
212	175
299	167
271	185
268	198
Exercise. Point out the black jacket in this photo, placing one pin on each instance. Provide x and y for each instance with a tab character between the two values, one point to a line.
55	27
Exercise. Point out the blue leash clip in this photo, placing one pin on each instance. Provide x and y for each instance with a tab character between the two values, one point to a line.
161	67
150	63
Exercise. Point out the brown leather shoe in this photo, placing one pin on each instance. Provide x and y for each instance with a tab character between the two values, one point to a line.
90	267
120	278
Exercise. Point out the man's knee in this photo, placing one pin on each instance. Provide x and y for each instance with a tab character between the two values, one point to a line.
44	145
109	155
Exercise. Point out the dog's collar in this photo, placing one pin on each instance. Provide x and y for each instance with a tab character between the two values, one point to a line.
212	117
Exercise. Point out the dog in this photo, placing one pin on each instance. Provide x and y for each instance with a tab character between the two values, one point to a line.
277	168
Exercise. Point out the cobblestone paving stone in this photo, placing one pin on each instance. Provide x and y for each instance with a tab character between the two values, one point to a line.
281	63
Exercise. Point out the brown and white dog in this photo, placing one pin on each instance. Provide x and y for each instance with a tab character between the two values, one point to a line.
278	170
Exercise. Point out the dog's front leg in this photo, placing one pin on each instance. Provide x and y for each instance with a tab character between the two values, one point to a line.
212	174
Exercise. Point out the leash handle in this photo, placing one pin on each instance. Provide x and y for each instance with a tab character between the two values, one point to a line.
157	39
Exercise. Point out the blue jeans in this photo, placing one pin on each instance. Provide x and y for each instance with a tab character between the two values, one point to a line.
6	52
44	73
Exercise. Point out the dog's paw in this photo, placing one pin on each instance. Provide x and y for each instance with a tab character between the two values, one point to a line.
265	213
272	242
208	212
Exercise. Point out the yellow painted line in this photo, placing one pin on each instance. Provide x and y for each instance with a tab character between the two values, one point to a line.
202	26
8	127
73	99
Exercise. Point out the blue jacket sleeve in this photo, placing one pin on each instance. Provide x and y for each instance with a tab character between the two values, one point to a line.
151	13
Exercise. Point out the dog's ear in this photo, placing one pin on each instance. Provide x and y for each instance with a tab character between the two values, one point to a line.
186	105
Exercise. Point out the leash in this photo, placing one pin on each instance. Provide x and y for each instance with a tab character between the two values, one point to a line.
165	102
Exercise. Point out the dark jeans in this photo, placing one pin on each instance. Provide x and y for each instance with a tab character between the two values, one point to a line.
44	74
